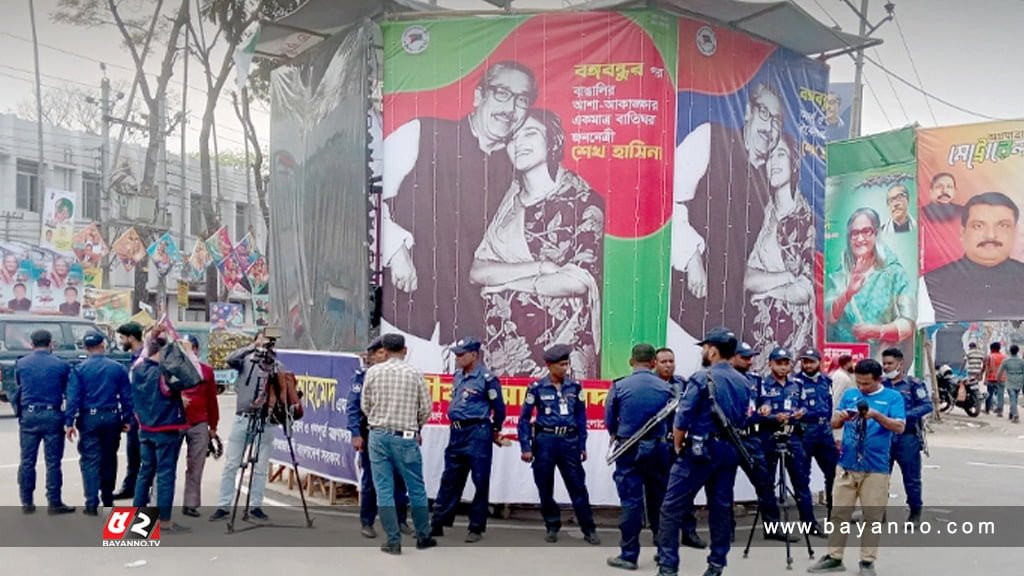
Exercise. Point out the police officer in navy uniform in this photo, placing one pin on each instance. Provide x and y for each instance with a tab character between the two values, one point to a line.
906	447
819	443
641	473
558	439
100	405
42	381
360	430
780	409
760	476
477	413
706	458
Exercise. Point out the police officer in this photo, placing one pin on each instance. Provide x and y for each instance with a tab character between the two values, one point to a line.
476	413
816	397
100	403
42	381
665	368
760	476
706	457
780	409
906	448
641	473
360	430
558	439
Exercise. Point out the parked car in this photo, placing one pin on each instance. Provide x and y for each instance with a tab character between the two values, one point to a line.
15	341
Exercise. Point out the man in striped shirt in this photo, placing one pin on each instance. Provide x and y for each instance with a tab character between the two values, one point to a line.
974	362
397	404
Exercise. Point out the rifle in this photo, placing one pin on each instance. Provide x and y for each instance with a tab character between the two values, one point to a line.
628	443
723	422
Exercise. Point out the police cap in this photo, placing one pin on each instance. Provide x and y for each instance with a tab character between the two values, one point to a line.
746	350
93	339
780	354
467	344
719	335
374	345
557	353
810	354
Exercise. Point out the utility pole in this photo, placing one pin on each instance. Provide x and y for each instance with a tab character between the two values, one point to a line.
41	180
183	182
105	211
865	30
161	209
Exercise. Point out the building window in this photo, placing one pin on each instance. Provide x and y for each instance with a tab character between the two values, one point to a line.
195	211
92	190
27	186
240	223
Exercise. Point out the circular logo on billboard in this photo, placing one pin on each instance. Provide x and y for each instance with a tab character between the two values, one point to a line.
707	42
415	39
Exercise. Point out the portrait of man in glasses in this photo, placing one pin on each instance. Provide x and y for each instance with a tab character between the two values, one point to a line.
443	182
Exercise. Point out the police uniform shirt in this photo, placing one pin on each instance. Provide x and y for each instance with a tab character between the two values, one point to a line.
732	394
633	400
42	379
783	398
474	395
871	454
816	398
555	408
916	400
99	383
357	425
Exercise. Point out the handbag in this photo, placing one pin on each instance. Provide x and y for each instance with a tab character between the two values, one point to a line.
284	400
180	369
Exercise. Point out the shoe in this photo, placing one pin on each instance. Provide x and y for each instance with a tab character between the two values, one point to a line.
405	529
218	514
693	541
124	494
713	570
189	511
552	536
817	531
618	562
424	543
666	572
592	539
368	532
436	531
866	569
827	564
259	514
28	508
59	509
473	537
90	511
175	529
914	517
393	549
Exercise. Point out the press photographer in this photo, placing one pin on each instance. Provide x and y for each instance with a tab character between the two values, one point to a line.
257	365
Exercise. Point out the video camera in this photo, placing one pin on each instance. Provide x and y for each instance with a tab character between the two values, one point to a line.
266	354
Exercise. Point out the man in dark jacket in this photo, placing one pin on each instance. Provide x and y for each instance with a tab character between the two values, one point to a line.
203	414
162	424
129	338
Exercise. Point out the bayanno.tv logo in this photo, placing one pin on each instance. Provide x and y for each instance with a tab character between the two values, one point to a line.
132	527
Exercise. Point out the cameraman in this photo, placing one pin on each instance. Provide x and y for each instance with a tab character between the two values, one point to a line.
255	363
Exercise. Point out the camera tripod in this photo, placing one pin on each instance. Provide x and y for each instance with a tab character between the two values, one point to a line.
257	426
781	448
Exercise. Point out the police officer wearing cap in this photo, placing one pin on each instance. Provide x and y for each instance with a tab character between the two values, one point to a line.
477	413
359	427
819	443
42	381
906	447
558	439
706	459
100	406
641	473
778	414
760	476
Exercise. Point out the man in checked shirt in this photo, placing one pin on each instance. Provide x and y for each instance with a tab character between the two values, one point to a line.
397	404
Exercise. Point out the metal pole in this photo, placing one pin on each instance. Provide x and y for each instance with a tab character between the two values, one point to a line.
183	182
107	111
41	180
161	208
858	77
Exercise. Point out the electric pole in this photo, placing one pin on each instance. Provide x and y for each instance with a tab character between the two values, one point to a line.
865	30
41	180
105	212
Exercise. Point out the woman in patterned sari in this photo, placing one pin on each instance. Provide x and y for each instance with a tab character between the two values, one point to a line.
869	299
781	265
541	258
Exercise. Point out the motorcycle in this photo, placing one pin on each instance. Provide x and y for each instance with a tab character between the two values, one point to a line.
971	398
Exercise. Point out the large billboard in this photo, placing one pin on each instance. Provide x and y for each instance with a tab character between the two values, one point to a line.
527	172
871	244
972	253
748	193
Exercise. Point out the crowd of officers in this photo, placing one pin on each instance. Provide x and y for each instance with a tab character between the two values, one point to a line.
788	411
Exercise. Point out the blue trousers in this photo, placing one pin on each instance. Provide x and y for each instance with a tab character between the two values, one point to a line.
46	427
797	472
368	494
396	456
994	400
468	455
906	451
100	437
134	456
550	452
159	451
820	446
641	475
716	474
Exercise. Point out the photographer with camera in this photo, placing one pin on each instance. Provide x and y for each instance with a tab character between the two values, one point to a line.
256	364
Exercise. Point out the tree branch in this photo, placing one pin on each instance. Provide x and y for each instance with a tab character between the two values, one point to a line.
140	72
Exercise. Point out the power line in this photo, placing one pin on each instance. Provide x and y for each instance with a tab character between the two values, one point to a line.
834	21
913	66
879	102
892	87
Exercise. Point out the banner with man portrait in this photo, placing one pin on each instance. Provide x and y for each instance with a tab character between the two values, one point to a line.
871	243
972	243
748	194
527	172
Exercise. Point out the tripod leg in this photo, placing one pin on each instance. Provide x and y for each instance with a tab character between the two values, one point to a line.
295	469
254	456
753	528
246	454
785	505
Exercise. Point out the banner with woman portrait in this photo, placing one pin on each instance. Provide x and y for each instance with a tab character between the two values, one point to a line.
871	244
748	194
527	172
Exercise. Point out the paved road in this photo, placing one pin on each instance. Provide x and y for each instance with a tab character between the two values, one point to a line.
979	465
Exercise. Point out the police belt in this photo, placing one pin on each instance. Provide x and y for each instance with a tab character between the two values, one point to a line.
41	407
557	430
751	430
460	424
101	410
817	421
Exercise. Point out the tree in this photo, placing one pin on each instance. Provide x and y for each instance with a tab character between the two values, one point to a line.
75	108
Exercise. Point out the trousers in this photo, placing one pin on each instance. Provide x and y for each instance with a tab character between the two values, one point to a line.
197	443
100	437
44	427
551	452
134	457
246	430
641	476
872	491
159	452
906	451
392	455
368	493
468	455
